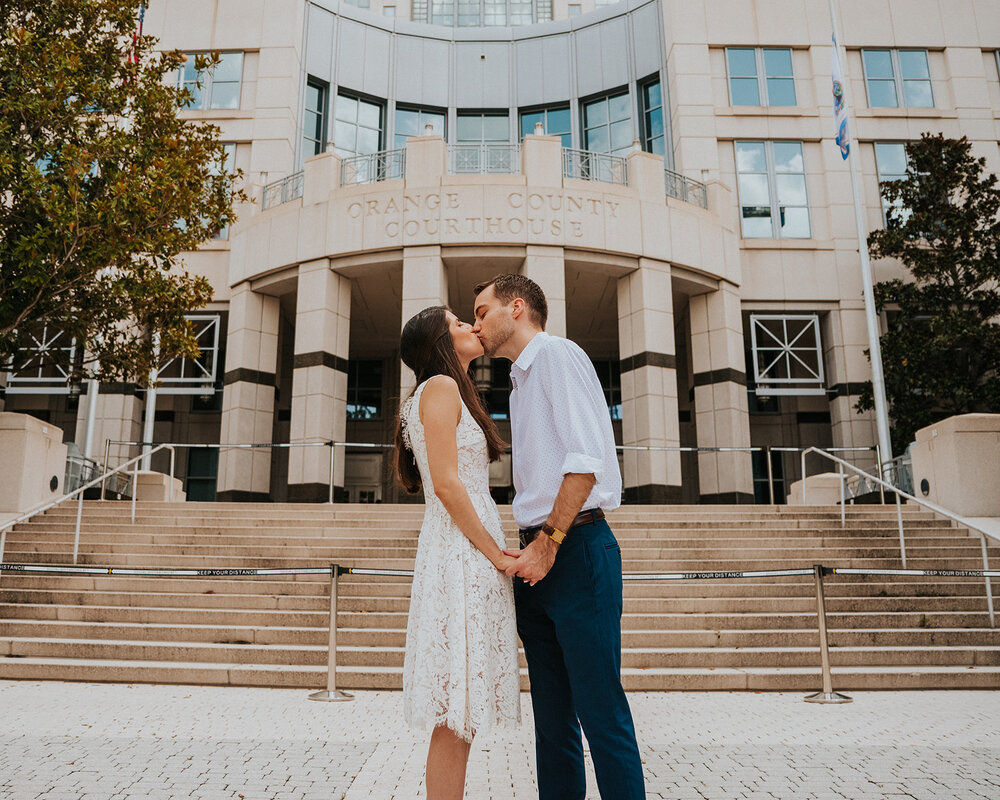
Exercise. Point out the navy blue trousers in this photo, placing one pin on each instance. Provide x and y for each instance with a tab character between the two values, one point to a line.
570	626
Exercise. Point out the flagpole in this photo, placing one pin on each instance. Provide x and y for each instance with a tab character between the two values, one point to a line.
871	317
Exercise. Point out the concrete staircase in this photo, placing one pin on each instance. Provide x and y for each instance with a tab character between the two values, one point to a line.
744	634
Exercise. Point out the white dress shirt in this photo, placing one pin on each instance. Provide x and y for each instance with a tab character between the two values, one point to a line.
559	424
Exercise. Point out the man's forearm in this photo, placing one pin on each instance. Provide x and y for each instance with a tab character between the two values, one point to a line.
573	493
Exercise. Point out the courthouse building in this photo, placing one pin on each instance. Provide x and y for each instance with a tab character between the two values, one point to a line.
665	170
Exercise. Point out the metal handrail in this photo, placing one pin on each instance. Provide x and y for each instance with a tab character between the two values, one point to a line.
283	191
687	189
590	166
983	534
79	507
486	158
385	165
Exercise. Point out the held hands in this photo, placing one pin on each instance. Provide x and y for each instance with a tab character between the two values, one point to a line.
506	561
533	562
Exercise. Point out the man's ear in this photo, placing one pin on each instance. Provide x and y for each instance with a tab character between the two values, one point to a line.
517	307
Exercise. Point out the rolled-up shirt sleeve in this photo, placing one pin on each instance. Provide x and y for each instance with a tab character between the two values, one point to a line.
579	409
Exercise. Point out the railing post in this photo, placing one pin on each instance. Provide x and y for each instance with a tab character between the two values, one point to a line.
76	535
843	499
804	477
879	473
770	474
107	458
170	491
899	521
332	461
332	693
989	586
827	695
135	489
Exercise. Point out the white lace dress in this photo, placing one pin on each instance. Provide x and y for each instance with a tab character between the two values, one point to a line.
461	666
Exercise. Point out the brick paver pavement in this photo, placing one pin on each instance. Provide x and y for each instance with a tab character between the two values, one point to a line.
65	741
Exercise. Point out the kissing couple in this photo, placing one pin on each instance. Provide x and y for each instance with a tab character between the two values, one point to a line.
564	583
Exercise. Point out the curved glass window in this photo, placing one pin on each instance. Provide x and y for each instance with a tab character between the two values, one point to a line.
482	13
555	122
607	125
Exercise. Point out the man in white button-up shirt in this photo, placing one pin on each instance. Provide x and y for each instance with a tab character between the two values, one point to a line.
567	579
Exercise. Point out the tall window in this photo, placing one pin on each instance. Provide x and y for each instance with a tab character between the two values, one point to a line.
890	160
897	78
220	85
760	76
771	181
314	118
492	379
607	125
357	126
411	122
483	128
364	389
555	122
652	118
227	166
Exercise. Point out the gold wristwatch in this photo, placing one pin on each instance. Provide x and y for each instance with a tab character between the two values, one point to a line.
554	534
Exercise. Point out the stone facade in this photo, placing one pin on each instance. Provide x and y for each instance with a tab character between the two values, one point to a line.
710	338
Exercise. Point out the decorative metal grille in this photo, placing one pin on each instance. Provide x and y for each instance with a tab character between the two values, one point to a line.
45	366
589	166
787	354
686	189
283	191
184	376
485	159
386	165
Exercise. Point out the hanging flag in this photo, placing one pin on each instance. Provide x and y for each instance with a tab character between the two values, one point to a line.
841	135
134	57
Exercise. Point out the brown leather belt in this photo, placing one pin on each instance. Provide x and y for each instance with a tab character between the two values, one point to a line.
588	517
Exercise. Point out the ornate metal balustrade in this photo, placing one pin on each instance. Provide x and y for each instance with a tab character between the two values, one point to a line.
282	191
686	189
484	159
588	166
385	165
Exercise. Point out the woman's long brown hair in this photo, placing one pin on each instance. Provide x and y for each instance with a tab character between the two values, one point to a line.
426	347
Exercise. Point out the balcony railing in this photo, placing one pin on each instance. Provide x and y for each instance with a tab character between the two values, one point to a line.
686	189
484	159
588	166
385	165
282	191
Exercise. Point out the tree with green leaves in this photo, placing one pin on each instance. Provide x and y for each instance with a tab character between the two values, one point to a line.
103	184
941	352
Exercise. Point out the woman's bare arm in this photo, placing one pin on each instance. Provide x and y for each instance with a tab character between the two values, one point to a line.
440	411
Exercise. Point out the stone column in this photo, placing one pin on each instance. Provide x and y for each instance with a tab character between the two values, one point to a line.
545	266
118	418
319	381
845	339
425	283
720	396
248	395
649	384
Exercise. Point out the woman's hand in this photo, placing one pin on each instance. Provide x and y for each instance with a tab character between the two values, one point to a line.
504	562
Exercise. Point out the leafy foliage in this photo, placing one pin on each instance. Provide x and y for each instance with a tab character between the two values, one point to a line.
942	351
102	185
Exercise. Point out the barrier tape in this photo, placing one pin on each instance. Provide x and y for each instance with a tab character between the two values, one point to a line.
160	573
932	573
408	573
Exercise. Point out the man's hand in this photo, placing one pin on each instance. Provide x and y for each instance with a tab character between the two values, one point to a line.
534	561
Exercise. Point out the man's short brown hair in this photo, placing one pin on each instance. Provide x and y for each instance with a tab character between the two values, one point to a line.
508	286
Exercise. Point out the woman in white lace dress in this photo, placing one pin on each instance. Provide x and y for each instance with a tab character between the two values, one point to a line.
460	674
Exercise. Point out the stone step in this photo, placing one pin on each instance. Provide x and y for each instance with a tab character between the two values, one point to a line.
396	637
284	602
397	619
968	558
382	656
369	586
634	679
